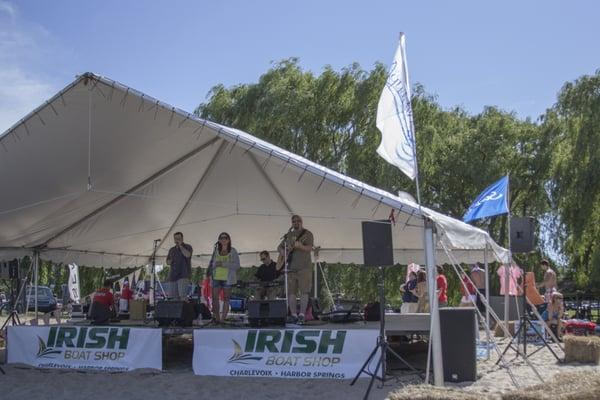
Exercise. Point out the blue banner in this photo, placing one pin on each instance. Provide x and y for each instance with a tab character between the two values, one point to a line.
492	201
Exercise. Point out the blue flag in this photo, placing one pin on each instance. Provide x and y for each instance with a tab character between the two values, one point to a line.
492	201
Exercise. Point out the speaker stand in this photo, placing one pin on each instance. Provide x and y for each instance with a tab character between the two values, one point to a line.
382	346
521	333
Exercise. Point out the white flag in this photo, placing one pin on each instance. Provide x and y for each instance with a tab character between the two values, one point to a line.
73	284
395	119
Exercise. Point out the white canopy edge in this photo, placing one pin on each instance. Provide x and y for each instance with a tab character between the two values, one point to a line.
467	242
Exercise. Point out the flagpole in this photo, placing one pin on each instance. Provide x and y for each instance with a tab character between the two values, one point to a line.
434	351
508	265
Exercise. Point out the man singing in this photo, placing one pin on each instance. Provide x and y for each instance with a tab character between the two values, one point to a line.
267	272
296	246
180	260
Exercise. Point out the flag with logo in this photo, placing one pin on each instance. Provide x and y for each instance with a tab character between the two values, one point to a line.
395	119
492	201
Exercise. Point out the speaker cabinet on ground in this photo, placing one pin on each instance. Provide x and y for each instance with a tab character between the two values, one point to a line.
378	248
266	313
497	304
174	313
457	326
522	234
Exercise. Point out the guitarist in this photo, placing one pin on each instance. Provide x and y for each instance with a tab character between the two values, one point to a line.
298	244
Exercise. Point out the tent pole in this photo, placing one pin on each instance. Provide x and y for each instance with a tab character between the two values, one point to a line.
487	298
507	268
434	330
316	279
36	255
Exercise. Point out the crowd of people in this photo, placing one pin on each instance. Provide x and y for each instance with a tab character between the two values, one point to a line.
472	287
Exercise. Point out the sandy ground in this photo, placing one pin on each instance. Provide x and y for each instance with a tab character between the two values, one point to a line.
177	381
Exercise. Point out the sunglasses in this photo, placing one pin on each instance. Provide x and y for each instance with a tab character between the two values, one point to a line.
263	259
223	238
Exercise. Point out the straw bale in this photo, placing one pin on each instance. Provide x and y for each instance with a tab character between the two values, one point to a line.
428	392
582	349
564	386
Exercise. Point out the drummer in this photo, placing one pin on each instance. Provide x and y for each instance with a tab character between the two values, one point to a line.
267	272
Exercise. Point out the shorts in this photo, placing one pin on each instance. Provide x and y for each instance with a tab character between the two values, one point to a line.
545	315
408	308
220	284
300	280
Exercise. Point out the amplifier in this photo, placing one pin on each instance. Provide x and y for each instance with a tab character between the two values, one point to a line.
266	313
174	313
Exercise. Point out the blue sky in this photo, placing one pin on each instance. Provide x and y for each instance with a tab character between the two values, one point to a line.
513	54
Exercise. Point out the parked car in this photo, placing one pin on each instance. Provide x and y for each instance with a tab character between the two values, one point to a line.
45	299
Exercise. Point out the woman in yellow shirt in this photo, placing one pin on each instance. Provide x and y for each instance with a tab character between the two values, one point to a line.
222	268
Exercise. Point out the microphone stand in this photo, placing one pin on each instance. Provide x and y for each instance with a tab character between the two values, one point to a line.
153	260
285	272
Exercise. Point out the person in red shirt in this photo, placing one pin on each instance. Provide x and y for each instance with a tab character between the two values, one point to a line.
467	291
126	295
442	287
104	295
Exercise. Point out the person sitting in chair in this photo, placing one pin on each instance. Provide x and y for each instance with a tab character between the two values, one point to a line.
554	313
102	307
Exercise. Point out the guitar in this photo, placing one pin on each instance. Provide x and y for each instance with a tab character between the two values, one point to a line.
280	258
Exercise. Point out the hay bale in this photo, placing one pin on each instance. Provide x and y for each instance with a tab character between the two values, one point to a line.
583	385
428	392
582	349
498	332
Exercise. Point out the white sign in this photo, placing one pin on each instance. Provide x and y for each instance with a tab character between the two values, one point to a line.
103	348
74	283
283	353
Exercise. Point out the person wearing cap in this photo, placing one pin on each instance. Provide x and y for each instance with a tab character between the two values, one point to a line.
297	246
554	312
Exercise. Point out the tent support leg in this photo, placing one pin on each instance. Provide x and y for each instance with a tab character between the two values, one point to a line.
434	329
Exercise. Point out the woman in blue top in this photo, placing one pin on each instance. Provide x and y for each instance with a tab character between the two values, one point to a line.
222	268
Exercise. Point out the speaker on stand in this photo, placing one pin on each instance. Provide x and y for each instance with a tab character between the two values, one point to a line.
522	234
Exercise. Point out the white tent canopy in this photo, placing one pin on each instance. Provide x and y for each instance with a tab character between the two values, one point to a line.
100	171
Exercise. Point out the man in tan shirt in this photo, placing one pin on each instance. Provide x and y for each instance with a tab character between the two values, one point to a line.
549	283
297	245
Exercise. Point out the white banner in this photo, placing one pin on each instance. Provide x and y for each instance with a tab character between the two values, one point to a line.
74	283
104	348
283	353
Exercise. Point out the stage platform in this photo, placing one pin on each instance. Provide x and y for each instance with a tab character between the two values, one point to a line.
395	324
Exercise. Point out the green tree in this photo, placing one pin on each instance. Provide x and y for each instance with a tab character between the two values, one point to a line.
574	122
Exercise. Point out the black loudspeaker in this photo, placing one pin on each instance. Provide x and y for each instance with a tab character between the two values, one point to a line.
457	326
522	234
378	249
174	313
266	313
